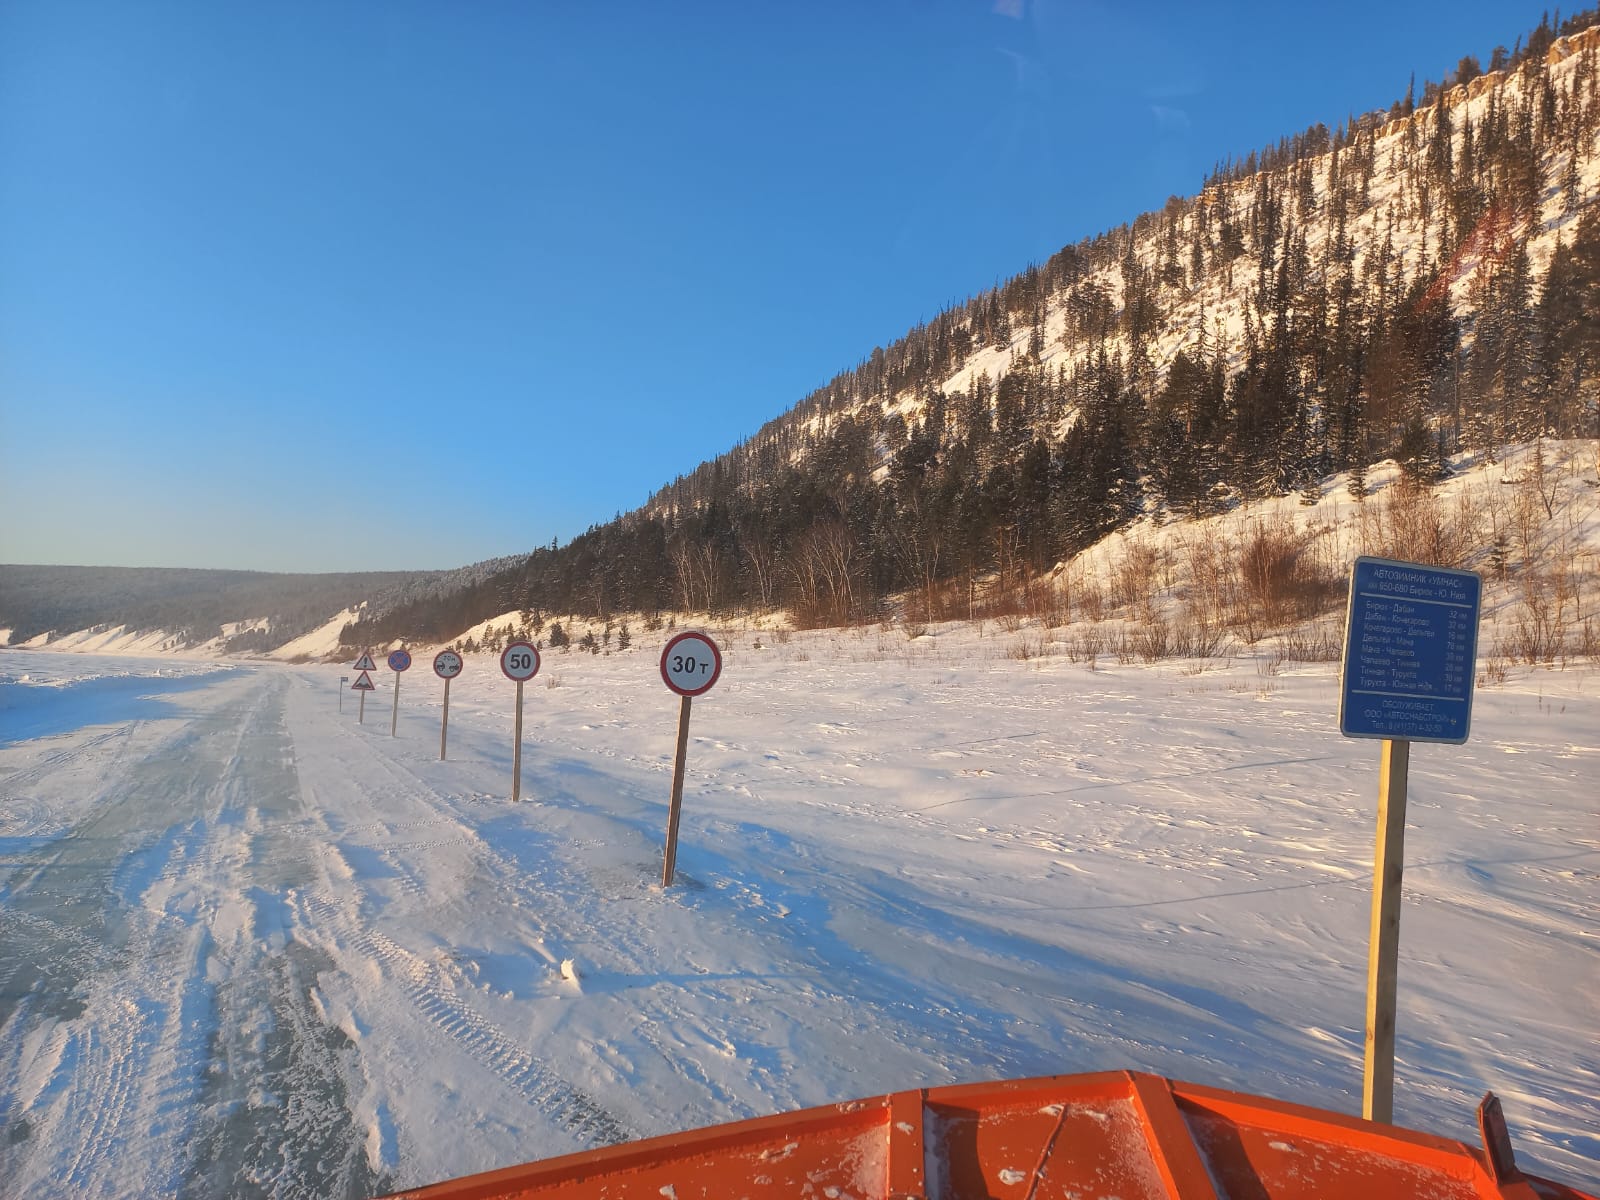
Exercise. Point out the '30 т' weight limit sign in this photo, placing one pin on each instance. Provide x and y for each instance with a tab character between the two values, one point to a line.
690	665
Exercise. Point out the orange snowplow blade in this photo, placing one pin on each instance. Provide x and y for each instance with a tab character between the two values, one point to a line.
1065	1137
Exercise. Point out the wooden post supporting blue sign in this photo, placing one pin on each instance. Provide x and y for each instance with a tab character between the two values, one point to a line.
1410	654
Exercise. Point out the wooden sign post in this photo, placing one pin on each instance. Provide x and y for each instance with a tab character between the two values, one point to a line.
1383	939
520	662
1410	652
690	665
399	662
446	665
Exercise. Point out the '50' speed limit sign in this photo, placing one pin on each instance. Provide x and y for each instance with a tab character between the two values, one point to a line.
691	664
519	661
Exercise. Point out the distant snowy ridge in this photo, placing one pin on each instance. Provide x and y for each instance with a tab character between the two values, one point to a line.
156	610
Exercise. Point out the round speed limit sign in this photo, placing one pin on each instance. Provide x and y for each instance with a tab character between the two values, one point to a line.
691	663
519	661
447	664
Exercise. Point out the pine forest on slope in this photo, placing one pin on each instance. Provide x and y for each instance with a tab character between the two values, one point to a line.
1409	285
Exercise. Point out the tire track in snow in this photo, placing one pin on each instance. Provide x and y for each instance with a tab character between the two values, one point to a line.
52	763
433	995
104	1089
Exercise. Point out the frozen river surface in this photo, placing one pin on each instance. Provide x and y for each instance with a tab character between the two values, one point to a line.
250	947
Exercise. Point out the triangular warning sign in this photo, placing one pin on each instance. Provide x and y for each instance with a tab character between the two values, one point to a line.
365	663
363	683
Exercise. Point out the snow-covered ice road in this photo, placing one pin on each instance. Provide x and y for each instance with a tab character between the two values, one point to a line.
251	947
166	1024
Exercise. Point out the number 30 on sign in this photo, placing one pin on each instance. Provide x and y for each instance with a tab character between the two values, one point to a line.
690	664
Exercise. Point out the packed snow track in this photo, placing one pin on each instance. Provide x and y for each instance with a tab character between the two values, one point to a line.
252	947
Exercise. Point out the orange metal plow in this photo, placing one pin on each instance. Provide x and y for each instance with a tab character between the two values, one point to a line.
1067	1137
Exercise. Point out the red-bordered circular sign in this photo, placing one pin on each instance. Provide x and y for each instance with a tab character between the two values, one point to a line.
447	664
400	660
519	661
691	664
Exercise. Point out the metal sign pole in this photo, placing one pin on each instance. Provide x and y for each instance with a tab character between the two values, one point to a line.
394	718
1383	949
516	754
444	723
671	861
362	718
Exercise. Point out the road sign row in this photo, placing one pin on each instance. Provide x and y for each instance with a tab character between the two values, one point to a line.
691	664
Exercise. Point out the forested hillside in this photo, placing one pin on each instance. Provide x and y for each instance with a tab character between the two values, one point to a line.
1405	284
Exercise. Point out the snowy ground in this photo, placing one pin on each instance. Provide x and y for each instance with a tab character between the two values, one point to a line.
249	946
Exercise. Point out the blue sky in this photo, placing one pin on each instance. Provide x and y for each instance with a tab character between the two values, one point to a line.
357	286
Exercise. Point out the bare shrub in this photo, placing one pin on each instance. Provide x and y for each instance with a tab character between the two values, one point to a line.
1541	480
1087	647
1544	615
1037	596
1279	580
1527	527
1092	601
1409	524
1311	645
914	630
1152	641
1022	649
1495	670
1134	579
1194	639
1054	610
950	599
1209	566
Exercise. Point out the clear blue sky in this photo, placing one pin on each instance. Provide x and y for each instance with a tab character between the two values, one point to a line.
351	286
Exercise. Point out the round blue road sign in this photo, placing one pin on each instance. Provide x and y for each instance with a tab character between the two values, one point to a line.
399	660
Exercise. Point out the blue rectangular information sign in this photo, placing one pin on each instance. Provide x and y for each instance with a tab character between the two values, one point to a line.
1410	652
